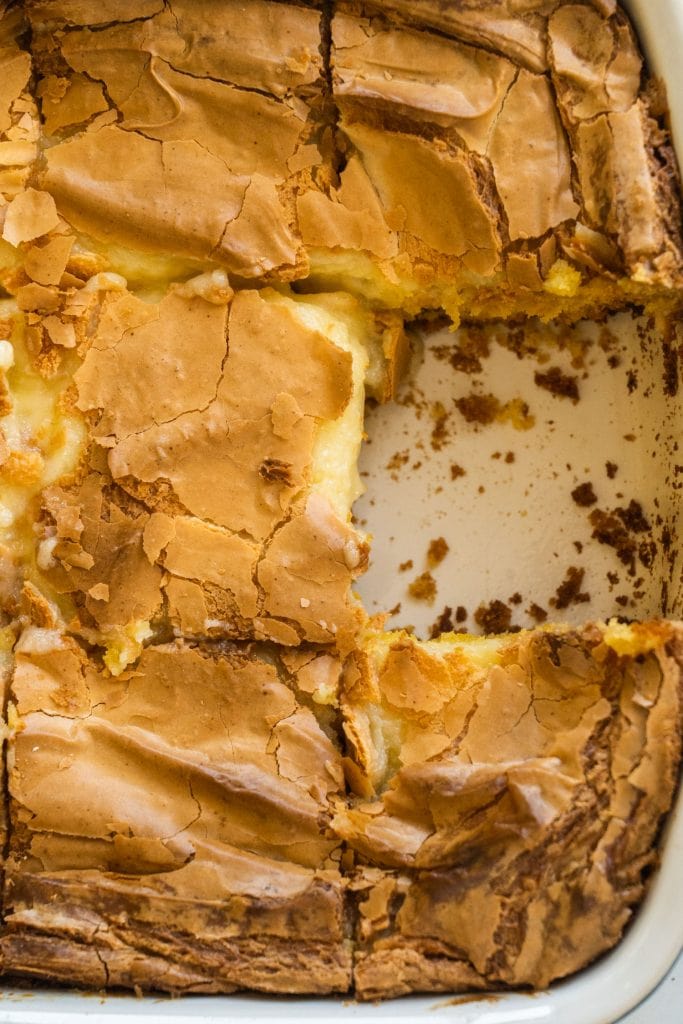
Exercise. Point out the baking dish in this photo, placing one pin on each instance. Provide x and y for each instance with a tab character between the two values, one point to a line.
496	525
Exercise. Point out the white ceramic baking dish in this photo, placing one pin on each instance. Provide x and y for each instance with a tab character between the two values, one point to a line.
518	534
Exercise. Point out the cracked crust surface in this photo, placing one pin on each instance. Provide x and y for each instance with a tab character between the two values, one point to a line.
151	847
137	111
198	505
510	791
491	158
202	487
534	117
501	802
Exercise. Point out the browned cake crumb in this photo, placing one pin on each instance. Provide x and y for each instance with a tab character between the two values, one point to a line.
439	434
517	413
633	517
569	591
437	551
611	469
404	566
397	461
509	457
616	528
456	471
476	408
495	617
536	612
443	624
584	495
423	588
276	470
466	356
559	384
460	614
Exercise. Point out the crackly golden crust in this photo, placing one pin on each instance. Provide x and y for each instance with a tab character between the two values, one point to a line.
138	109
199	465
511	792
515	132
491	157
19	122
151	847
195	504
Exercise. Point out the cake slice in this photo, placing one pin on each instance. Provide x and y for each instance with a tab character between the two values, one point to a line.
488	161
188	459
496	160
509	793
179	135
171	829
504	799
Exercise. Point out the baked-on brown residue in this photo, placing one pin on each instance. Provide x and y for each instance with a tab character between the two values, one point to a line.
439	434
584	495
456	471
536	612
475	408
397	461
616	527
569	591
559	384
437	551
423	588
443	623
671	353
495	617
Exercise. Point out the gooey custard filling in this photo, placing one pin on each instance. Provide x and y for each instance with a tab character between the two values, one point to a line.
41	441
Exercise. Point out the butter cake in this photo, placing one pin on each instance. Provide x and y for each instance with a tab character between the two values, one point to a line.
377	149
505	795
509	792
259	393
215	217
170	835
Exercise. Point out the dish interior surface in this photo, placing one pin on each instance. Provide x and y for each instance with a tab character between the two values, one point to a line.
524	502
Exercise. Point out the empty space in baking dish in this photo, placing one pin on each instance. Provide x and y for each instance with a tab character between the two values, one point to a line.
547	459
